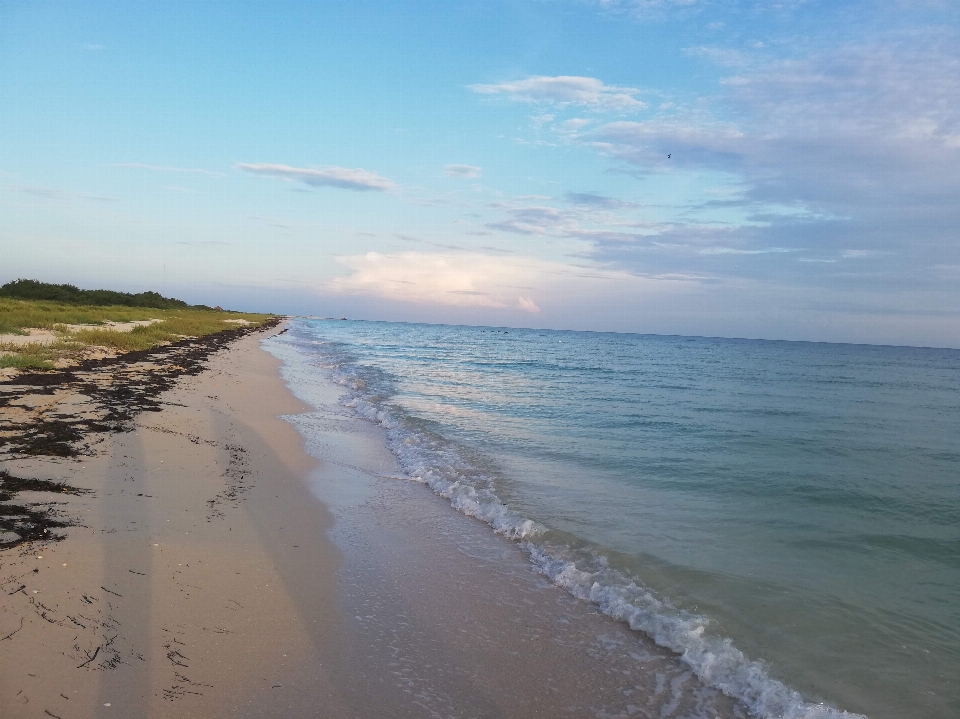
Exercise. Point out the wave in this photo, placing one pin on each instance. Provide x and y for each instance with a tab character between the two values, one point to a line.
426	456
714	659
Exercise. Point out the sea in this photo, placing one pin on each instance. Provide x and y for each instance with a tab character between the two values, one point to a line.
785	516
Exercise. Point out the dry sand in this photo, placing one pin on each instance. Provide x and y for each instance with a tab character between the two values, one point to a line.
221	571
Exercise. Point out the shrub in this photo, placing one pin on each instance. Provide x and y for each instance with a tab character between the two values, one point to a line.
70	294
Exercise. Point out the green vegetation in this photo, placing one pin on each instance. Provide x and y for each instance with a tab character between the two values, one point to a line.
72	342
26	360
176	325
69	294
17	315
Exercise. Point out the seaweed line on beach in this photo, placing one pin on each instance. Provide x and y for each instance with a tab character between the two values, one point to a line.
59	413
28	522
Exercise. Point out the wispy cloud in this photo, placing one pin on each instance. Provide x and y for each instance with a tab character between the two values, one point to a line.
49	193
571	127
651	9
589	219
667	9
53	193
854	146
728	57
535	220
859	254
689	141
204	243
454	170
166	168
344	178
270	222
828	130
589	199
564	91
742	251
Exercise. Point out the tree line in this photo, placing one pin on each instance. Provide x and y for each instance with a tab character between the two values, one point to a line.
72	295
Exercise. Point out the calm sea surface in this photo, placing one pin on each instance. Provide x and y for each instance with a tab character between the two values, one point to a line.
785	515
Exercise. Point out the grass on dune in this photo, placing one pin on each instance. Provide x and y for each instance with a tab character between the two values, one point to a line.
36	355
26	360
174	324
16	315
191	323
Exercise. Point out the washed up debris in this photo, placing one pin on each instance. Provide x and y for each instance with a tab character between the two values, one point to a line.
27	522
58	414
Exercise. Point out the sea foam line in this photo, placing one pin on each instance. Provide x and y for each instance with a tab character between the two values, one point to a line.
427	458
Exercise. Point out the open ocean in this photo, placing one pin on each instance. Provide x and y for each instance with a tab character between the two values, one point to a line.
784	515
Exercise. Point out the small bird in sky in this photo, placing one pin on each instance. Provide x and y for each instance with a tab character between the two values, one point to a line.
668	156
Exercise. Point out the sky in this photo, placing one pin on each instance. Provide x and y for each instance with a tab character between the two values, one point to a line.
779	170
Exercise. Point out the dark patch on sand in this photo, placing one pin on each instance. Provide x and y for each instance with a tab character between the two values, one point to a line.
20	523
57	414
61	414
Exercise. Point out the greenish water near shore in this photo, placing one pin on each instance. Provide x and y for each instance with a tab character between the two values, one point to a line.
800	502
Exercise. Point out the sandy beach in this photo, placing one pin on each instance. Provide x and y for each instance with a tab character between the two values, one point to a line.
214	566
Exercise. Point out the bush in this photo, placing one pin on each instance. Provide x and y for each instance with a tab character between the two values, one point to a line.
72	295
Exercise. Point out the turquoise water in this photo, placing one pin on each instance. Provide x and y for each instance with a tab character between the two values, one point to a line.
785	515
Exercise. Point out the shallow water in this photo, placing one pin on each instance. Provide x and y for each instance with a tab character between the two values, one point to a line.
785	515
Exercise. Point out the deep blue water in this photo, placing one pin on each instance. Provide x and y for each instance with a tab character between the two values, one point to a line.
785	514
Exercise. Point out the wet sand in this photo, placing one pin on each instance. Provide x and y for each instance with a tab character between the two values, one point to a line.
221	570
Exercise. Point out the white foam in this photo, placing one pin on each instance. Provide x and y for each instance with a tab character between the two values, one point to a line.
425	457
714	659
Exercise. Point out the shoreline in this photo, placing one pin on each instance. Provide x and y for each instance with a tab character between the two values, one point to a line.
220	570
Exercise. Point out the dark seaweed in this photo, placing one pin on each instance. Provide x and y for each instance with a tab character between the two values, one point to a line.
30	522
119	388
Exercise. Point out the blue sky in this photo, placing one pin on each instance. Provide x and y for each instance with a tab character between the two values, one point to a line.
783	170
